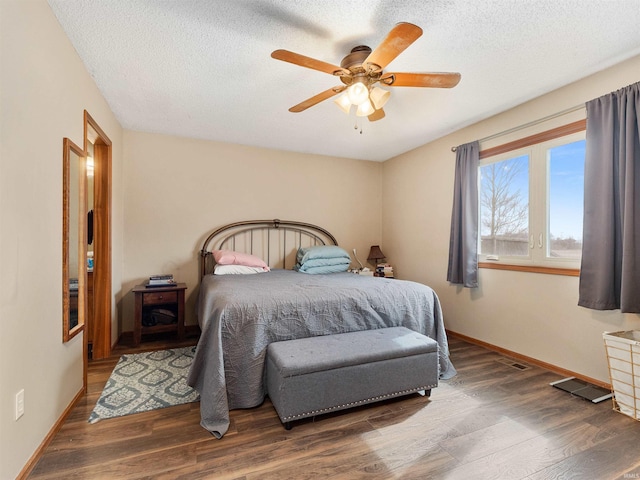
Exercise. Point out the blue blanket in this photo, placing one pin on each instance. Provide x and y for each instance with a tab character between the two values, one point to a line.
240	315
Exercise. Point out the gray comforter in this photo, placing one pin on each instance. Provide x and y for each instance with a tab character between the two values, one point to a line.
240	315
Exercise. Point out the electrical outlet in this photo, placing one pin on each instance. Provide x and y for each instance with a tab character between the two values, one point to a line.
19	404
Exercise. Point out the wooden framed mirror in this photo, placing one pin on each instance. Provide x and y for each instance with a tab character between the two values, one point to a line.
74	235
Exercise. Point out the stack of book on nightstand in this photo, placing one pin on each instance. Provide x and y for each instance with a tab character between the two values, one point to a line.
384	270
161	281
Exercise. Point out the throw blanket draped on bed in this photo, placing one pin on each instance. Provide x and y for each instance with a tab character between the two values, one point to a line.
240	315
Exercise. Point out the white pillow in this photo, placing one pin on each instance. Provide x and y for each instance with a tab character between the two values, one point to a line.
237	270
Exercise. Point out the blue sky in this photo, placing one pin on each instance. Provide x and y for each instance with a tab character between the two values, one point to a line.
566	173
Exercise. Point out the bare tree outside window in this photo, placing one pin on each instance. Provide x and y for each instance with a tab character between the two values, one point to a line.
504	207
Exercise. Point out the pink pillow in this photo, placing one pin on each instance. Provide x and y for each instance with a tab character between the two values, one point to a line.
229	257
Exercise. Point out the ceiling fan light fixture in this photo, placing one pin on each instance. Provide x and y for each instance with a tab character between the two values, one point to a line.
362	70
365	109
358	93
379	97
344	103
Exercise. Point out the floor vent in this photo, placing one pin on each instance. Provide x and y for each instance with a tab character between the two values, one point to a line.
513	364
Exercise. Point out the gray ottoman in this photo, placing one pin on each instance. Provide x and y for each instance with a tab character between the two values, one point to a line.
315	375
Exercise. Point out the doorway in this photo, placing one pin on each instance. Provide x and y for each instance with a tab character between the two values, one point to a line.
98	329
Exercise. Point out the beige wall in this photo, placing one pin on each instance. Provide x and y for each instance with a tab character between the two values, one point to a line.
531	314
44	91
177	190
171	192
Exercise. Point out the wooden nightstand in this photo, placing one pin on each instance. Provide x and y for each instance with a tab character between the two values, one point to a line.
147	299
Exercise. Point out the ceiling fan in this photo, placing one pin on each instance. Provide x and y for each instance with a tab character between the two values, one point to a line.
363	68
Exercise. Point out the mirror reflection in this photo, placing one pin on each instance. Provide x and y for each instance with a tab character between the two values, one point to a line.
74	239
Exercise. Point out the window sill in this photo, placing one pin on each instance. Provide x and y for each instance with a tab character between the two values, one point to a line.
570	272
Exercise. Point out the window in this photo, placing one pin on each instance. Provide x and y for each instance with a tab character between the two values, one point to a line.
531	199
565	200
504	207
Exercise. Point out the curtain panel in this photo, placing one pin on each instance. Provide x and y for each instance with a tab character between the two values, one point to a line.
610	271
463	242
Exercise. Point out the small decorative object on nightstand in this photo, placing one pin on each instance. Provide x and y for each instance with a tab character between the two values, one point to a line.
384	270
158	309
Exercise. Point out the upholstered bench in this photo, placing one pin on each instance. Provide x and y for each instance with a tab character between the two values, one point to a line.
311	376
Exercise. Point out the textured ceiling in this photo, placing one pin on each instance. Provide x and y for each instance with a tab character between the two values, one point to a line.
202	68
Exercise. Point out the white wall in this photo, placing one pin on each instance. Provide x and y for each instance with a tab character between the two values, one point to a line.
178	190
532	314
44	91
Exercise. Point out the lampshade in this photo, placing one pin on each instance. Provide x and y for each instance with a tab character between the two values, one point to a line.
358	93
365	109
344	103
375	254
379	97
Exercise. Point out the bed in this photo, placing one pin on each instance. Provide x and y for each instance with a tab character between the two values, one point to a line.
239	315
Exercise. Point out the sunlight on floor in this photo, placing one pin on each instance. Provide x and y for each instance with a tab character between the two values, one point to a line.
410	442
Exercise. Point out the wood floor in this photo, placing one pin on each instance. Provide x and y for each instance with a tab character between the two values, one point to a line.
491	421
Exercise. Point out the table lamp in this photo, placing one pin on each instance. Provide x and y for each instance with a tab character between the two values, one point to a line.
375	255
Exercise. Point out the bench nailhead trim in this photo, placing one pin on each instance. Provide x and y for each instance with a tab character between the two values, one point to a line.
359	402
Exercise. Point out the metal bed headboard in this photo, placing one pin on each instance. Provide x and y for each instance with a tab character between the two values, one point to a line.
279	238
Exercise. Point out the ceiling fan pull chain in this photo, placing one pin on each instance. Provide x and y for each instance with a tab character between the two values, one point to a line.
355	126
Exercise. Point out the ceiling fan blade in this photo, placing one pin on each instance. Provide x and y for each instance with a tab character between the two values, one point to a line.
398	39
310	102
434	80
377	115
308	62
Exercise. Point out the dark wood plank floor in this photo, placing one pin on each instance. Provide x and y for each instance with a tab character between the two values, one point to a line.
492	421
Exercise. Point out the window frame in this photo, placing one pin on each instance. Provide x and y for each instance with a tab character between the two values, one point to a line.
537	193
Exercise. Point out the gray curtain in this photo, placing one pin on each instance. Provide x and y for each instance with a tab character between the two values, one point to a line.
610	272
463	243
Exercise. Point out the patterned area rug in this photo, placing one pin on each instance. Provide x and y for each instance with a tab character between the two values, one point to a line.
146	381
